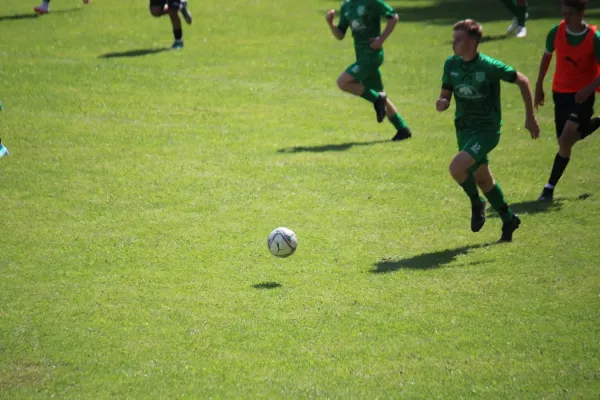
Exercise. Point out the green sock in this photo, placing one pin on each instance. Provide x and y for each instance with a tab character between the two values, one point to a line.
496	198
521	11
398	121
370	95
470	188
512	7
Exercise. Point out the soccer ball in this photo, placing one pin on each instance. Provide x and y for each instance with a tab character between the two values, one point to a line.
282	242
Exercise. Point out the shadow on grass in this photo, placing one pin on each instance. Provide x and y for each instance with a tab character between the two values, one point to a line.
17	17
267	285
537	207
426	260
329	147
32	15
134	53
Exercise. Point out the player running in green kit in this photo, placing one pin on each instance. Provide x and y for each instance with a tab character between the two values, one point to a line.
474	79
363	78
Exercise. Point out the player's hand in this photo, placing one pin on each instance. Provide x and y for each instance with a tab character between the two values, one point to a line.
376	43
584	94
329	16
539	96
532	125
442	104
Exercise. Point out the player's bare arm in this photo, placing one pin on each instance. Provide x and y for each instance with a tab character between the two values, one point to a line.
377	43
587	91
443	102
539	86
329	16
531	122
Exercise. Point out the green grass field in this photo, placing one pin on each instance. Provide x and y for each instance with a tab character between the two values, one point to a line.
142	185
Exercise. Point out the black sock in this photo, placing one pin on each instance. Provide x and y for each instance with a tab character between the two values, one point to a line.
560	164
178	34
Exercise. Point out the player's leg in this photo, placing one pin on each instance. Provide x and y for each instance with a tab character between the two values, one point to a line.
512	8
572	123
518	9
402	129
43	8
493	192
350	81
521	30
185	12
173	12
375	82
461	169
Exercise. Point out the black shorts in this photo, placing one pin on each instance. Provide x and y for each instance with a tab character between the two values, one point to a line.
161	3
566	109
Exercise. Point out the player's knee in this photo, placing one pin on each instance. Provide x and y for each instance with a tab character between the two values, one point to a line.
156	11
341	83
455	168
568	138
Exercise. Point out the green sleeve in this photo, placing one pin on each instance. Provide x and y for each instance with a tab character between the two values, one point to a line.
550	39
446	82
597	46
343	22
501	72
385	10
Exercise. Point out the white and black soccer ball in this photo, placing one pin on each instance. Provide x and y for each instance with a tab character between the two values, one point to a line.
282	242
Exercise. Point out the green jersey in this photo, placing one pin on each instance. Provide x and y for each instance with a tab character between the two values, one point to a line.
364	18
476	88
574	39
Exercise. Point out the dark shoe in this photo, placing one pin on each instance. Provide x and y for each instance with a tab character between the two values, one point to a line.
593	125
402	134
547	195
187	16
509	227
478	216
379	105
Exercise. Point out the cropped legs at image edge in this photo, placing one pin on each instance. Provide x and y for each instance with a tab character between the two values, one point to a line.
172	8
44	8
518	9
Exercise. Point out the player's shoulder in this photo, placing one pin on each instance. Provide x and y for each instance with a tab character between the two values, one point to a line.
488	60
453	59
554	29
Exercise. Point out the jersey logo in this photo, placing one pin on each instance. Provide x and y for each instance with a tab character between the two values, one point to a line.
355	69
357	25
453	73
360	11
574	62
480	76
467	92
475	148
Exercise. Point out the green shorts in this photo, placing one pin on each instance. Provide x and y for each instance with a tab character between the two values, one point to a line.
366	71
478	144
